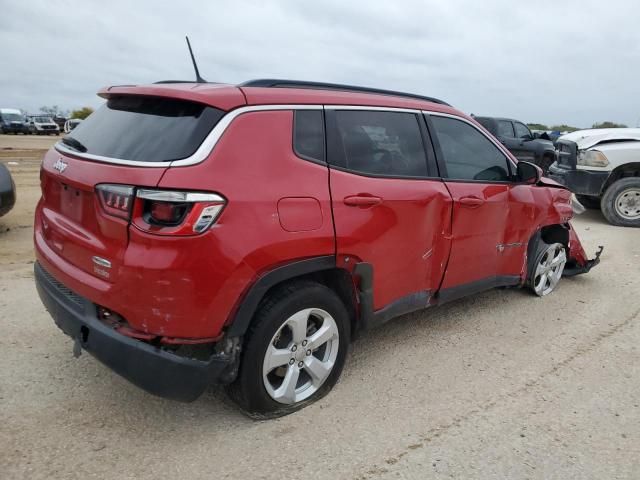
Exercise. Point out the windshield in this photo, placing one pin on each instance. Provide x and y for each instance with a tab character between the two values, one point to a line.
12	117
147	129
42	120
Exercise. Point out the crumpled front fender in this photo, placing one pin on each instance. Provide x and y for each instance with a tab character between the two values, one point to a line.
578	262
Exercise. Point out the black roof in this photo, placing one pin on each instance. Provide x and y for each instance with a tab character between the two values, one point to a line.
281	83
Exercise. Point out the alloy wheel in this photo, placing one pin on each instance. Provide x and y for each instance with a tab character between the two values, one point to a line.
300	356
549	269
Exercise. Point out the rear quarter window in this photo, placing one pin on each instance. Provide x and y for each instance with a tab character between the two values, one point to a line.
146	129
308	135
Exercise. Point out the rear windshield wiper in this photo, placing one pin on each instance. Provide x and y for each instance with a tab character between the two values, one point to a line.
73	143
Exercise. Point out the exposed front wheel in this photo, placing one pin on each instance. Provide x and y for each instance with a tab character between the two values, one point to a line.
294	352
621	202
548	267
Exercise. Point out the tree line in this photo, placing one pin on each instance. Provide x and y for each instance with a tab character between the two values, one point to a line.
569	128
55	111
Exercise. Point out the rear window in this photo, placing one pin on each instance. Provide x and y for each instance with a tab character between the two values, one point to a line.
145	129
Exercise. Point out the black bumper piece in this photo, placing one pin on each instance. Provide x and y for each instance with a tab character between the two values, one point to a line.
7	190
581	182
573	270
155	370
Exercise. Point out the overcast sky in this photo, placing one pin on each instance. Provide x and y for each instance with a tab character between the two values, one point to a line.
571	62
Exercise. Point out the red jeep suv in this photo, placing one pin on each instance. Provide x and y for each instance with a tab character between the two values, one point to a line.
192	234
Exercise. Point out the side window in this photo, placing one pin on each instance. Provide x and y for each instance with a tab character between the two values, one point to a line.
468	154
308	134
522	131
380	143
505	129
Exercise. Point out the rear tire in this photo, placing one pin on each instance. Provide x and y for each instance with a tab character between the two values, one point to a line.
294	350
592	203
621	202
546	270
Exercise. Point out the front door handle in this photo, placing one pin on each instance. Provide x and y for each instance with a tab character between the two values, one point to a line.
362	201
471	202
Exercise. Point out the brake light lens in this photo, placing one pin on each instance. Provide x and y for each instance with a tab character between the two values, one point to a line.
166	212
116	200
161	212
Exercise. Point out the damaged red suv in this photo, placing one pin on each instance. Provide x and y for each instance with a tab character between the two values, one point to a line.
193	234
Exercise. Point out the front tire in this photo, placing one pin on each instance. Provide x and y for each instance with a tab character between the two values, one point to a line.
621	202
294	351
546	270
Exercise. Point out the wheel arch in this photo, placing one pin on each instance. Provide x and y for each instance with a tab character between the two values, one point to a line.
322	270
622	171
554	233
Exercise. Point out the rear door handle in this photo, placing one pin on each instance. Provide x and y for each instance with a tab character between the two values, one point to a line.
471	202
362	201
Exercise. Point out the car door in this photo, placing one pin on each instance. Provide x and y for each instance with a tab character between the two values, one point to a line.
523	148
390	208
507	136
478	175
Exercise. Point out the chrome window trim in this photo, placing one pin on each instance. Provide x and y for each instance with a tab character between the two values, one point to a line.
205	148
373	108
500	147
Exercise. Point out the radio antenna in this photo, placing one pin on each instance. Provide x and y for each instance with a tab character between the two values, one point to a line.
199	79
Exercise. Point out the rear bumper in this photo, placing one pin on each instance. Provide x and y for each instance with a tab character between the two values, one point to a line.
155	370
581	182
12	129
7	191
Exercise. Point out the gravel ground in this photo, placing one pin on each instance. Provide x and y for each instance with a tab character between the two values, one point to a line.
499	385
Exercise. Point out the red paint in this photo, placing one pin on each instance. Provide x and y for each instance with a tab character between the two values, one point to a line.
402	232
479	220
418	234
300	214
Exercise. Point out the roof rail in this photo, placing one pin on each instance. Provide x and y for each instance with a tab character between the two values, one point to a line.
279	83
174	81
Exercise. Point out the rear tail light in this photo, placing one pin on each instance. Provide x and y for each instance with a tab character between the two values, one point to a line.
116	200
162	212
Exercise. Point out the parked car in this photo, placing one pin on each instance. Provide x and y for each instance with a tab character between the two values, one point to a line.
71	124
248	239
60	121
7	190
517	137
12	121
43	125
602	166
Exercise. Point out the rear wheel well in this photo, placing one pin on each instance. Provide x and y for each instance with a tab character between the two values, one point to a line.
337	279
623	171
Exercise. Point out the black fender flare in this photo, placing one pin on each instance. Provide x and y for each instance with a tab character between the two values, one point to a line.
248	304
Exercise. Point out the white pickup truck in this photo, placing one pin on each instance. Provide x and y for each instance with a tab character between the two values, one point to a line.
602	167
